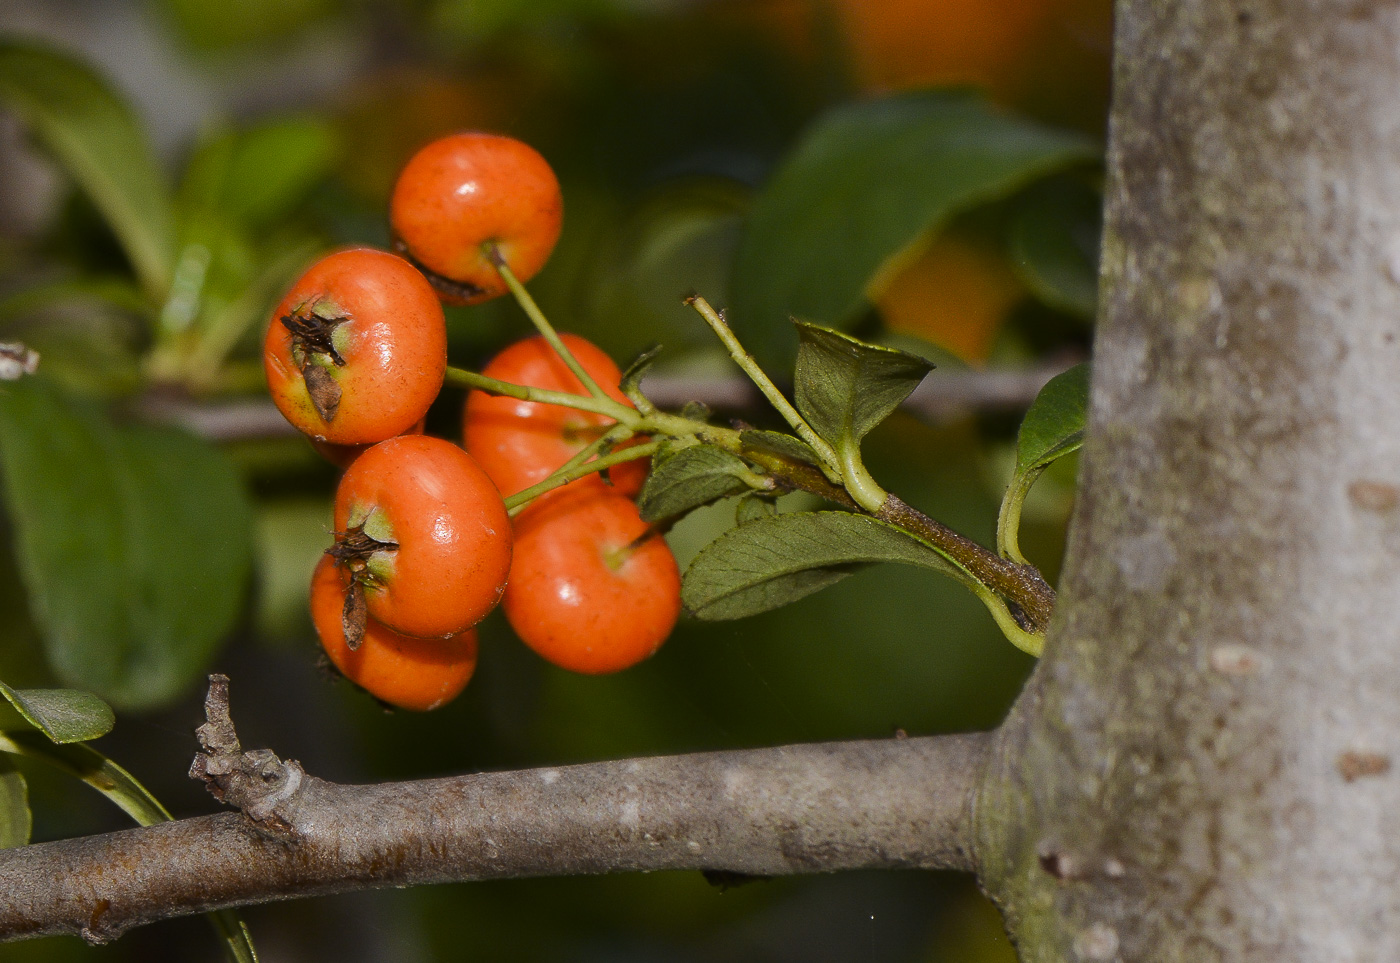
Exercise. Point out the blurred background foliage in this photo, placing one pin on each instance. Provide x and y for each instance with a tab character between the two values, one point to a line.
168	166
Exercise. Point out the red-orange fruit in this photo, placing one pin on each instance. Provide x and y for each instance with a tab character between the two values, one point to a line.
520	443
356	351
426	534
416	674
467	190
591	588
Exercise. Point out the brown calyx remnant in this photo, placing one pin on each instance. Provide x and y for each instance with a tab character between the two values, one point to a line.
312	326
455	292
352	550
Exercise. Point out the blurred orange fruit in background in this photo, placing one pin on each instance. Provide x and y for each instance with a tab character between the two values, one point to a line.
956	295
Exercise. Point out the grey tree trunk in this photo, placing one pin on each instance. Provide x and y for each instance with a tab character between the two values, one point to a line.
1203	767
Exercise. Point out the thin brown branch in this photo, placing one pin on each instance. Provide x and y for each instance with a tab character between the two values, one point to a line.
1021	584
763	812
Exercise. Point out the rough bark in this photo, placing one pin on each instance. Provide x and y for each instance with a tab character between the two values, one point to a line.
1202	768
897	803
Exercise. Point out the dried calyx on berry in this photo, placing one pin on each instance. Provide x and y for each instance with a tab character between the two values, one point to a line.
312	325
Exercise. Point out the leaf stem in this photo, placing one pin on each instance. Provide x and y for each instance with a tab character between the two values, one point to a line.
1009	517
541	323
859	482
1031	643
745	361
616	410
517	503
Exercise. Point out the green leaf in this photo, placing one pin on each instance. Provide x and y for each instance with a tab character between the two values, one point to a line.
15	819
64	715
1054	425
1055	246
768	562
95	136
133	541
691	477
864	186
845	387
259	175
753	507
788	446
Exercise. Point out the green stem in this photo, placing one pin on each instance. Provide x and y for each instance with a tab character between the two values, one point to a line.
611	437
541	323
132	798
1009	517
615	410
517	502
770	391
1029	642
863	488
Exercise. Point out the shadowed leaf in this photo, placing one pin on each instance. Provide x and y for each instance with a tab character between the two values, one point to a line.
15	819
864	186
95	136
1055	247
690	478
769	562
133	541
845	387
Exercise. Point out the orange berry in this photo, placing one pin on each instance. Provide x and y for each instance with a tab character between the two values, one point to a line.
466	190
425	534
357	350
520	443
956	294
416	674
591	589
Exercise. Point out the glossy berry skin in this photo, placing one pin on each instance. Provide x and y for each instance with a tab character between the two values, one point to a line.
416	674
465	190
452	535
579	594
519	443
380	348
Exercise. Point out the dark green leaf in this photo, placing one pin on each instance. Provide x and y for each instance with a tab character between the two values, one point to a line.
787	445
64	715
862	188
1054	425
845	387
219	26
752	507
15	820
690	478
631	382
1055	246
99	142
770	562
133	541
258	175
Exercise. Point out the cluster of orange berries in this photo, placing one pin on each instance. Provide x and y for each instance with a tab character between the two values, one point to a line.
425	548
